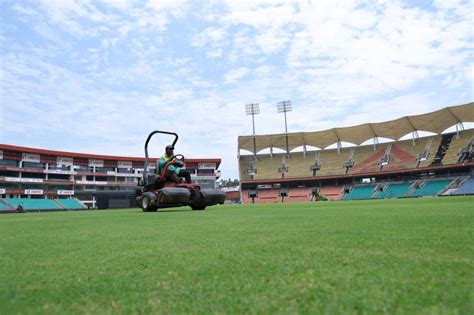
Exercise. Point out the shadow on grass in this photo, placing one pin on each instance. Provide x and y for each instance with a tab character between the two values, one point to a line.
180	209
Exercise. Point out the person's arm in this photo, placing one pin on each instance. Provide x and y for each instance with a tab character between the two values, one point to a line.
171	167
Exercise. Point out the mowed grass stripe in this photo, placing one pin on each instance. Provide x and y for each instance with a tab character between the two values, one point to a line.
381	256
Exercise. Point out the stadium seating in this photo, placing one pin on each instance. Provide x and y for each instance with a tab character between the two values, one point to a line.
298	164
394	190
400	159
403	155
332	163
72	203
467	188
360	192
33	204
331	192
431	152
299	194
451	156
264	196
243	165
6	208
430	188
267	167
367	160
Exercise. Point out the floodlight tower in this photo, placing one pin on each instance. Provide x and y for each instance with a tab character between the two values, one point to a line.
253	109
284	107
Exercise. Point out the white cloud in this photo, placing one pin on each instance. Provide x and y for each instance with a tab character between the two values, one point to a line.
123	5
235	74
115	70
209	35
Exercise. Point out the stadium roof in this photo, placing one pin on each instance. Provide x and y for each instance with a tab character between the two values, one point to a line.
436	122
97	156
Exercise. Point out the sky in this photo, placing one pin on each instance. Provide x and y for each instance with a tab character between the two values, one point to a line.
99	76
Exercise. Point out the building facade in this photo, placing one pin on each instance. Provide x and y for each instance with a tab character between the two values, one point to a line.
99	181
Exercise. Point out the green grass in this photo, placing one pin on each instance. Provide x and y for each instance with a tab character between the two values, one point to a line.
362	257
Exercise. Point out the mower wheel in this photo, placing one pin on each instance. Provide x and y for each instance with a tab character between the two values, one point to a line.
198	207
147	202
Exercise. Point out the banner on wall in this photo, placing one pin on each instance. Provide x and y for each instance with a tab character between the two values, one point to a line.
62	160
96	163
60	172
65	192
2	191
23	180
30	157
124	164
33	191
91	182
207	165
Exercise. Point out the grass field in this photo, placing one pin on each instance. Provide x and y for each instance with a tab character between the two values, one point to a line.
380	256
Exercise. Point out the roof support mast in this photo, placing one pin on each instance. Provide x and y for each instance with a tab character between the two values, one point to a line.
339	145
376	138
414	132
459	125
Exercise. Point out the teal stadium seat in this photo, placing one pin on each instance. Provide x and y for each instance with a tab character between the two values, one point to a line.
467	188
360	192
71	204
394	190
431	188
33	204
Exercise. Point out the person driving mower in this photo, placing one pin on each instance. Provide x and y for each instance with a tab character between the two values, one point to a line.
175	170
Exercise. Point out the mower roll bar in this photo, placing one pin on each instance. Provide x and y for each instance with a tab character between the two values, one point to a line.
145	168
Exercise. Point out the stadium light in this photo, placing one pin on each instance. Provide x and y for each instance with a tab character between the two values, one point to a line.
253	109
284	107
251	171
314	168
283	168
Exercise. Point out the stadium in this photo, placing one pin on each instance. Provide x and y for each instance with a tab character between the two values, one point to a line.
438	164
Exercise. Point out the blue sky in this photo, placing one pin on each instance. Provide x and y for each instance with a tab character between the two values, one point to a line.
98	76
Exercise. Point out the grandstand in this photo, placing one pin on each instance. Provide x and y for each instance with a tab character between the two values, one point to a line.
429	188
40	179
394	190
466	188
360	192
434	160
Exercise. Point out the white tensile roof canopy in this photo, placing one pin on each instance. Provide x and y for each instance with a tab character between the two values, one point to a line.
435	122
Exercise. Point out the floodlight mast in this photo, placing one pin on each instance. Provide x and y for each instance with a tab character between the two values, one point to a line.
284	107
253	109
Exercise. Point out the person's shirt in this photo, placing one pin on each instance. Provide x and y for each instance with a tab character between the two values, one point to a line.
162	163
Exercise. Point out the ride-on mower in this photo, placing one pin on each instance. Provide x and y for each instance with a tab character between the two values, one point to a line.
158	191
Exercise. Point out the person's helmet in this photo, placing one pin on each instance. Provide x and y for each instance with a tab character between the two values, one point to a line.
169	147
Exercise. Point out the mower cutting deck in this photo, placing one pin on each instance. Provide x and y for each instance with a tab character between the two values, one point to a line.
159	191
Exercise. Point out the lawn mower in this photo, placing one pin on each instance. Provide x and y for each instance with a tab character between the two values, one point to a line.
158	191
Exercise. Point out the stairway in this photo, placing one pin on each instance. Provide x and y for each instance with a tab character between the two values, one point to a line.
443	147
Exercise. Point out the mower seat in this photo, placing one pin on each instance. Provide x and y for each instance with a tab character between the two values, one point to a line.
152	178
